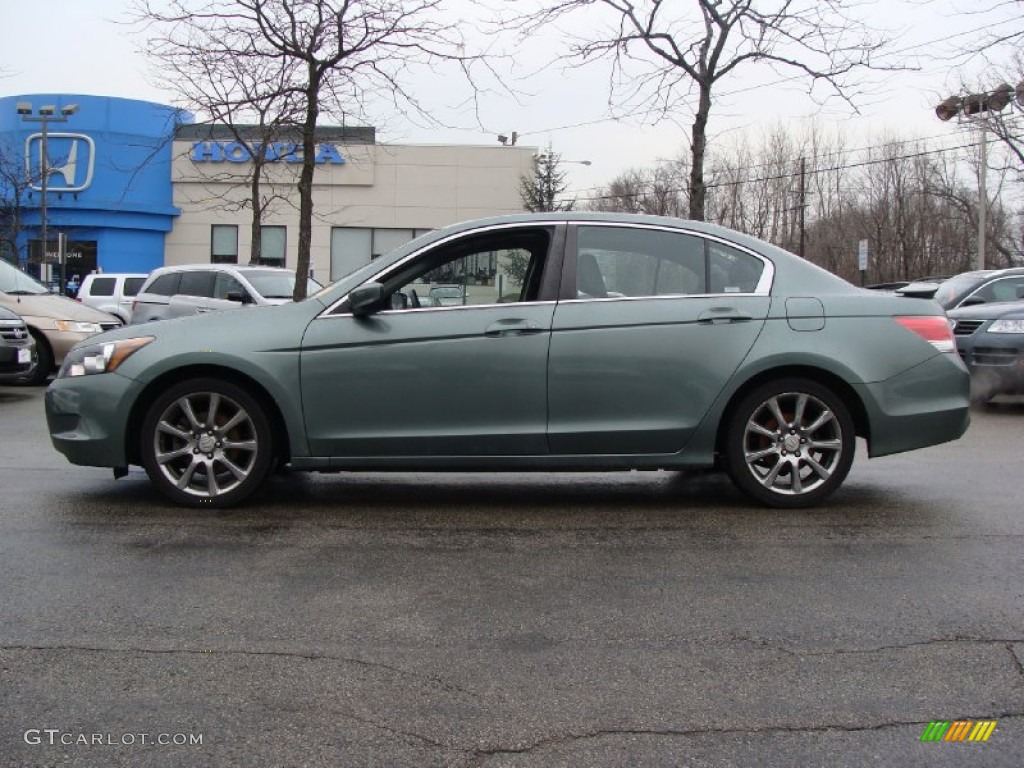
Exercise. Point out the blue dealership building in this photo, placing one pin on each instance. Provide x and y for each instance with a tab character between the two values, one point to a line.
134	185
109	184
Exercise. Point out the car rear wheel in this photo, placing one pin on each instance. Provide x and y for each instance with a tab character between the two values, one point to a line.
790	443
206	442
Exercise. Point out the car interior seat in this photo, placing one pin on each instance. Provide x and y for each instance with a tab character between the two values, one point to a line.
588	277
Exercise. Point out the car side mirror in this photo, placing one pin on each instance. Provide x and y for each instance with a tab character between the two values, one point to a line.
971	301
365	299
238	296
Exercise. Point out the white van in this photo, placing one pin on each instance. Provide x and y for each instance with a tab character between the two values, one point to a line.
111	292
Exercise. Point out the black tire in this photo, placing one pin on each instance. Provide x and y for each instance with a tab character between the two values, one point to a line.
794	461
42	359
195	463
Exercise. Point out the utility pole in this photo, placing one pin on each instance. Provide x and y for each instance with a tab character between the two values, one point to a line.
47	114
803	203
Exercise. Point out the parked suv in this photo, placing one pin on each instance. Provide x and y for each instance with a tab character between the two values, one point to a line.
990	339
193	289
17	350
983	286
56	322
111	292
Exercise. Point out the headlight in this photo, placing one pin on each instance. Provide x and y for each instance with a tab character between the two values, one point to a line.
1007	326
77	326
100	358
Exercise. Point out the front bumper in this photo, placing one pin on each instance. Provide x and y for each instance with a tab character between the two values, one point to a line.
926	405
88	418
996	362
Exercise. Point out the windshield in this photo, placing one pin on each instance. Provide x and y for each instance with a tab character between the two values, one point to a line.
13	280
953	290
276	285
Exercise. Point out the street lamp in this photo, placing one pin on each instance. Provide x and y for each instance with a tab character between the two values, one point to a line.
979	108
47	114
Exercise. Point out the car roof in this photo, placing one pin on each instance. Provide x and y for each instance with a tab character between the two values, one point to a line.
218	268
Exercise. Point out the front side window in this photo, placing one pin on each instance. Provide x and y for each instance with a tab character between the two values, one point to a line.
224	284
165	285
498	267
1006	289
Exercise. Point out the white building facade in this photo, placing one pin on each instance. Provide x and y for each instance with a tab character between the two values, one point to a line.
368	198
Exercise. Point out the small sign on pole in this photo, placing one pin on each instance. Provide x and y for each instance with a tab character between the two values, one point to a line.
862	259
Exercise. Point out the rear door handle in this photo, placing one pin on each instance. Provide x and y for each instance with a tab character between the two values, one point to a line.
512	327
722	315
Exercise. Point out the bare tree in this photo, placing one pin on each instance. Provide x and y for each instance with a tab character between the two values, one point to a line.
15	182
335	57
662	53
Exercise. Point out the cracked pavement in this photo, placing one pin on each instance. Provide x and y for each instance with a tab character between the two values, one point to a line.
498	620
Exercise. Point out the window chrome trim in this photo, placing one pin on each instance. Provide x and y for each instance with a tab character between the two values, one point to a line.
764	283
389	270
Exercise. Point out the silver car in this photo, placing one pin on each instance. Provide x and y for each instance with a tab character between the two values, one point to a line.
195	289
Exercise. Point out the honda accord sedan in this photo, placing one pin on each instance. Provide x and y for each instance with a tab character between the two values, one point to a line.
583	342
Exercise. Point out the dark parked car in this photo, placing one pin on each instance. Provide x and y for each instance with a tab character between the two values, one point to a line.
990	339
635	342
17	347
983	286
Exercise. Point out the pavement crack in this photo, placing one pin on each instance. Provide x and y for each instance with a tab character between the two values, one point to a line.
1015	657
436	681
570	738
898	647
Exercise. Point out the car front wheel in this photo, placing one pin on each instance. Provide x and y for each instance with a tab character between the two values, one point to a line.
789	443
206	442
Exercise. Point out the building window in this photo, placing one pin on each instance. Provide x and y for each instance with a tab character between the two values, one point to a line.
272	245
352	247
224	244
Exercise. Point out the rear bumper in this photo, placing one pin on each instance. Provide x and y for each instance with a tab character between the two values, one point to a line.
96	440
927	405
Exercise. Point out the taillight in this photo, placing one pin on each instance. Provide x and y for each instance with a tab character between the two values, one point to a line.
134	305
932	328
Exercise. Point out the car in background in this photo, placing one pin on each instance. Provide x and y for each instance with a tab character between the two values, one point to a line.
196	289
984	286
111	292
17	349
767	366
56	322
990	340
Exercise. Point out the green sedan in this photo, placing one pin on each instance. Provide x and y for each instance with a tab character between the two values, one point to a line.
580	342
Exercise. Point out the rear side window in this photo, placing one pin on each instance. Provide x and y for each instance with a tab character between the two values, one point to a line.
132	285
102	286
199	283
166	285
731	270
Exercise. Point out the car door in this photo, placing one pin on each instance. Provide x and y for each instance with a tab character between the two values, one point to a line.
418	378
194	295
652	323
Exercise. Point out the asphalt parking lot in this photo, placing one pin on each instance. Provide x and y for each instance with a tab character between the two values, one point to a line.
506	620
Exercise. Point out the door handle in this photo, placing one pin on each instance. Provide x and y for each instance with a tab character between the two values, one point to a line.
512	327
722	315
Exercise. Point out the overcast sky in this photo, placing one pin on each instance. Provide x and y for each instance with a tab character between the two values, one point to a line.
78	46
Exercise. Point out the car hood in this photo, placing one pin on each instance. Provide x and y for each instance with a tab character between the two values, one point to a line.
53	306
987	311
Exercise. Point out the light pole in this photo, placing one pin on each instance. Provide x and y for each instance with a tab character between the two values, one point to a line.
979	108
47	114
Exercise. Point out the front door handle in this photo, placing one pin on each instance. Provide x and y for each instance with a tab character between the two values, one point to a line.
722	315
512	327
